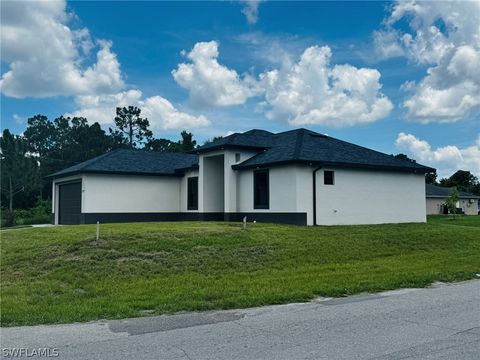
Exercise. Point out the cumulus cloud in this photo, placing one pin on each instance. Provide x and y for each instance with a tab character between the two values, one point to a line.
209	82
250	10
161	114
447	159
445	36
311	91
46	57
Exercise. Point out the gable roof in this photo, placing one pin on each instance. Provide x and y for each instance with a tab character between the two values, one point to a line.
135	162
305	146
444	192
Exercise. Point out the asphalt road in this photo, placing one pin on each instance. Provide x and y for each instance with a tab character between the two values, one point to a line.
441	322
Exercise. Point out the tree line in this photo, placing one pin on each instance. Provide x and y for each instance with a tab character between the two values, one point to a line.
48	146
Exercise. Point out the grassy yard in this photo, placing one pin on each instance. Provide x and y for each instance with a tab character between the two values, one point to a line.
60	274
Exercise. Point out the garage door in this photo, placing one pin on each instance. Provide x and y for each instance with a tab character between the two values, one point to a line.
70	203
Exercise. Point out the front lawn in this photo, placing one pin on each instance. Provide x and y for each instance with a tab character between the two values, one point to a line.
60	274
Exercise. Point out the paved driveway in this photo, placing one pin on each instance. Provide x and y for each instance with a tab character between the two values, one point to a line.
442	322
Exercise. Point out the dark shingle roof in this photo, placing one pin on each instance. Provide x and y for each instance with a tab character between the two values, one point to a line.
295	146
306	146
137	162
438	191
252	139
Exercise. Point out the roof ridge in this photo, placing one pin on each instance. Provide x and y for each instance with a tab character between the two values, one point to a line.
304	130
96	159
298	144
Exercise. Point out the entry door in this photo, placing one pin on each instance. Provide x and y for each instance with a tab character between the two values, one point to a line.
70	203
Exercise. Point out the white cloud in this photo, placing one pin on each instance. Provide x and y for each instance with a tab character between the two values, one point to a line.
45	56
161	114
447	159
250	10
444	35
210	83
166	116
19	120
309	91
312	92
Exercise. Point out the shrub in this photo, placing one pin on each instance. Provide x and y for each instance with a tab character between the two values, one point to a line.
8	218
40	214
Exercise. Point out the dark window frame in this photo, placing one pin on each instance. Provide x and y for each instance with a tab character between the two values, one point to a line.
192	204
238	157
256	204
330	179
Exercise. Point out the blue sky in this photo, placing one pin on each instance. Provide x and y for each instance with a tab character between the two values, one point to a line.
397	105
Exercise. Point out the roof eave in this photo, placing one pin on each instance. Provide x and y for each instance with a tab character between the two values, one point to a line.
103	172
459	196
225	147
418	170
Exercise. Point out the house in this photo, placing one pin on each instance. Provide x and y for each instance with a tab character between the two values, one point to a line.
437	197
296	177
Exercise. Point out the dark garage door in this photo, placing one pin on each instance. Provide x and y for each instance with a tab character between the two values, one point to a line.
70	203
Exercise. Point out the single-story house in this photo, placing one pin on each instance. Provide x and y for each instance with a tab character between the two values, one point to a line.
437	197
297	177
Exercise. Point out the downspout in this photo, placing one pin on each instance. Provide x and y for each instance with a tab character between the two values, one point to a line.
315	195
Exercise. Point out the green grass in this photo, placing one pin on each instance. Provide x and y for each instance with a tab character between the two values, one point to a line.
60	274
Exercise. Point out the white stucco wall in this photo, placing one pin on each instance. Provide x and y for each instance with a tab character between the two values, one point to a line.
211	183
468	207
370	197
357	197
231	177
434	205
217	192
130	193
283	190
184	191
304	189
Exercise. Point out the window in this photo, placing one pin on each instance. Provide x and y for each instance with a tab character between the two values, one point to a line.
328	178
261	191
192	193
237	157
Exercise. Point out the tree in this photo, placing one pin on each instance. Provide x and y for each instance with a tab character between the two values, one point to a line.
41	138
404	157
163	145
463	180
78	141
40	135
215	138
64	142
19	169
452	201
431	178
131	126
187	143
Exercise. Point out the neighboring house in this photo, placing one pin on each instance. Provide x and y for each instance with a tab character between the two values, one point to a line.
296	177
437	197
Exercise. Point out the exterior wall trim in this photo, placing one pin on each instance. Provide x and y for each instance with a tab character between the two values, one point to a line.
264	217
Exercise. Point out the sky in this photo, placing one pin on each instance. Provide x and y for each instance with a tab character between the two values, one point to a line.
398	77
